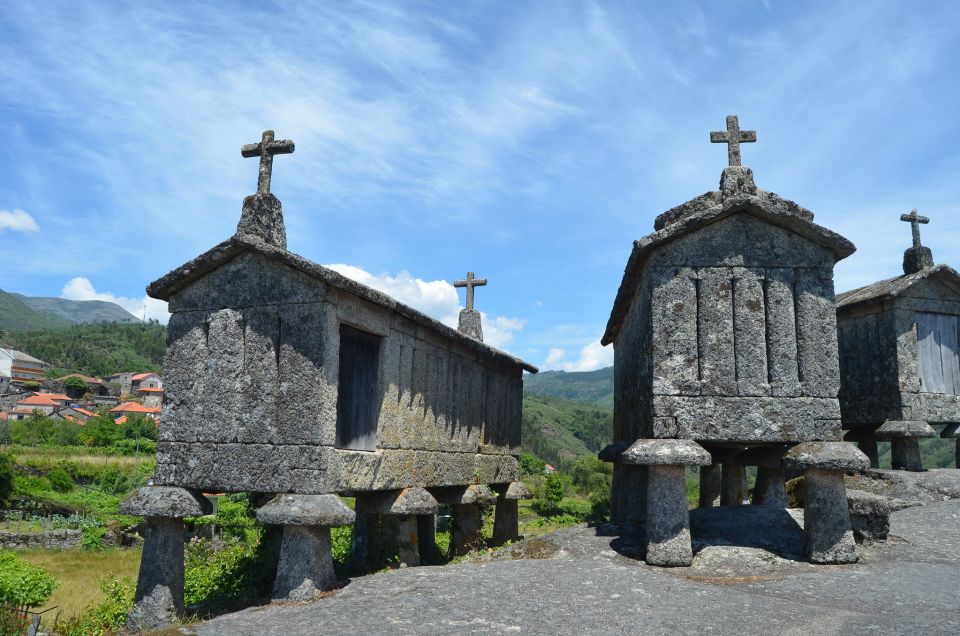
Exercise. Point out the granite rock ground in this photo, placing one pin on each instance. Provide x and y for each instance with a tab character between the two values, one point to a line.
745	579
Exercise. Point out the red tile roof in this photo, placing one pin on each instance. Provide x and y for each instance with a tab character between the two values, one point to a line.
134	407
150	390
39	399
85	378
121	420
56	396
84	412
141	376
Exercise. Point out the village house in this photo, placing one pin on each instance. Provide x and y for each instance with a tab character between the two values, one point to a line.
94	386
129	408
21	367
75	414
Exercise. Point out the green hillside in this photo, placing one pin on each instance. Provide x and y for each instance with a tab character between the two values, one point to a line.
589	387
98	350
15	315
559	431
78	312
935	453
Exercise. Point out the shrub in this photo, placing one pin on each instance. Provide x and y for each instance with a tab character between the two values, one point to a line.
6	477
93	537
23	585
75	383
530	464
239	572
60	480
104	618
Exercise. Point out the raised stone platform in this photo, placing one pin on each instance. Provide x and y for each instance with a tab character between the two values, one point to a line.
584	581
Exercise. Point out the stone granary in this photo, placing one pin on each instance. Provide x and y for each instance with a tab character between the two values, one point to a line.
725	352
899	371
287	379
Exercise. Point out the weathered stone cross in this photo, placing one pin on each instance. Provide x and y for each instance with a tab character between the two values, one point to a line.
265	150
915	220
470	282
733	137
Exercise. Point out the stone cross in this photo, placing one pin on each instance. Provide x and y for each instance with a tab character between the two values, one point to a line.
915	220
733	137
265	150
470	283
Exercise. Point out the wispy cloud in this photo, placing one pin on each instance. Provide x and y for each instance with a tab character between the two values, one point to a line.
17	221
592	356
438	299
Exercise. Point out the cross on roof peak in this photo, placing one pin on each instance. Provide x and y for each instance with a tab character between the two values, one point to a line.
265	150
733	137
915	220
470	282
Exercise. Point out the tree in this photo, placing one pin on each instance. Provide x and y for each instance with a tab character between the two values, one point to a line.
530	464
23	585
75	383
100	431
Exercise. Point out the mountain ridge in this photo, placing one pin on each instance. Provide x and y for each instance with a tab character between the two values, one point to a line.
19	312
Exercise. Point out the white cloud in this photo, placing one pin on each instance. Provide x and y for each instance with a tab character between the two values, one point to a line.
80	288
554	356
593	356
437	298
17	221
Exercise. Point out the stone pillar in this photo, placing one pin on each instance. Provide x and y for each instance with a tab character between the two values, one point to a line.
427	535
400	511
365	542
869	448
770	489
733	485
158	600
826	518
506	520
611	453
710	483
951	431
904	442
957	453
466	501
305	567
905	454
668	521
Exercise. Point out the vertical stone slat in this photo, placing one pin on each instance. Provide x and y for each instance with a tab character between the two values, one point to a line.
674	328
749	323
186	365
931	370
817	333
260	382
306	399
224	377
715	326
781	334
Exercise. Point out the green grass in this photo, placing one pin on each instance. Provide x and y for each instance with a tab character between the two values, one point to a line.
79	573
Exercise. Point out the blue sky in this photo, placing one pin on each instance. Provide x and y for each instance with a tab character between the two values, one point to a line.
528	142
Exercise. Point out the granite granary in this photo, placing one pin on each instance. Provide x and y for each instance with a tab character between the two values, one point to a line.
899	369
724	331
287	379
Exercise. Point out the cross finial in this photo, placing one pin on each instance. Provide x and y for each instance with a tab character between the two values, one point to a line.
265	150
915	220
733	137
470	282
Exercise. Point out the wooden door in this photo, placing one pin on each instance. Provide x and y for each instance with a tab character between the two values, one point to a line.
938	362
358	394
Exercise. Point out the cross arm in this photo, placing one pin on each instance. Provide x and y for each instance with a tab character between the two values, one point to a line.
475	282
281	147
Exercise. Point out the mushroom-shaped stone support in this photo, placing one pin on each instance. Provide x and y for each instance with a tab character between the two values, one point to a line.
305	566
402	512
668	521
826	519
904	439
158	601
506	519
467	521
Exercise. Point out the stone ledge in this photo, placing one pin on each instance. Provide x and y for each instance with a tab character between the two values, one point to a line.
904	428
826	456
165	501
305	510
409	501
666	452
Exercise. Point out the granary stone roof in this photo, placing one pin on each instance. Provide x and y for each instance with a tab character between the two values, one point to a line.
164	287
892	287
737	193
